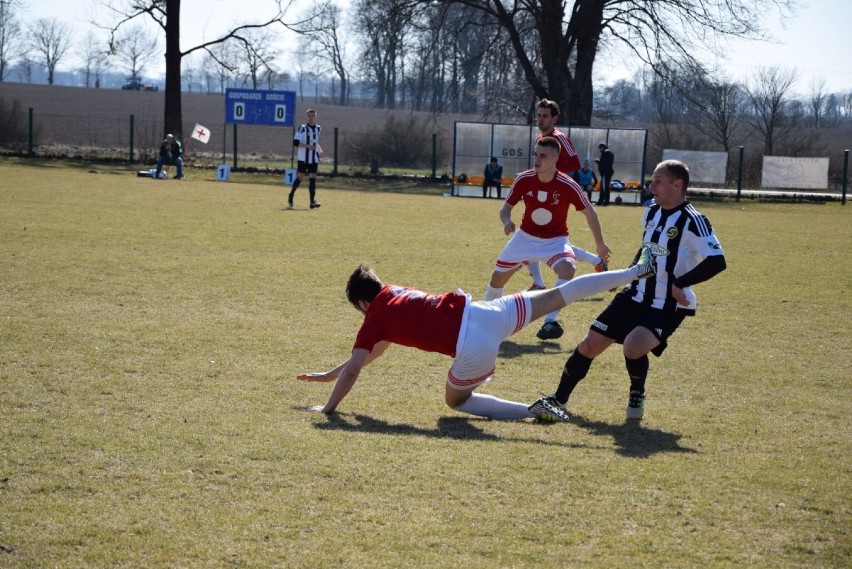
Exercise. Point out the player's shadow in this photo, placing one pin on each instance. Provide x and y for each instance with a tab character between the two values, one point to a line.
510	349
632	439
459	428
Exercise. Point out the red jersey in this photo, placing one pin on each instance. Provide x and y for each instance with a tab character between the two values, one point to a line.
546	204
568	161
413	318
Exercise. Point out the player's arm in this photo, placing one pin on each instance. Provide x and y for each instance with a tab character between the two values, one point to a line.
601	247
346	374
703	271
506	218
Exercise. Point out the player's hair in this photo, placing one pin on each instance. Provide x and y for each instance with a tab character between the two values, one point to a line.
677	170
363	285
548	104
549	142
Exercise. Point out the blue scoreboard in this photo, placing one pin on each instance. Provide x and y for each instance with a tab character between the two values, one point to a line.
252	106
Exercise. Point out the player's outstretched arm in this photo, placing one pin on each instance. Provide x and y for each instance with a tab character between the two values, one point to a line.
346	375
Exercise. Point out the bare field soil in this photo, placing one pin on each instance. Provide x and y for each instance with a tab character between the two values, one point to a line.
100	118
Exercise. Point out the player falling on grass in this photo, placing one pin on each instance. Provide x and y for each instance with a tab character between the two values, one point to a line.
547	194
450	324
646	313
547	115
310	152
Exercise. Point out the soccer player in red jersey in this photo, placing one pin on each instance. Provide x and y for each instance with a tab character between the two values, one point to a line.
547	115
547	194
451	324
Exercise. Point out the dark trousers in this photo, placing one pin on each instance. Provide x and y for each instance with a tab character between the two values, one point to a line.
486	188
605	182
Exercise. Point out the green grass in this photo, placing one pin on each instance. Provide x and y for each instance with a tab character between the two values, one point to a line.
150	334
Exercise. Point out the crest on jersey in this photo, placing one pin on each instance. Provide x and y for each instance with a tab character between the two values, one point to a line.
656	249
672	232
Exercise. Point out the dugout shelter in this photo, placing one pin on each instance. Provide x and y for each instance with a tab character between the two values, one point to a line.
475	143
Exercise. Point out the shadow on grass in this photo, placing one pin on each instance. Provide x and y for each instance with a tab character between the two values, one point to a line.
632	439
509	350
459	428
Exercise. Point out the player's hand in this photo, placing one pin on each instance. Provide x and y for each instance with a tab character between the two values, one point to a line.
604	251
315	408
679	296
509	228
322	376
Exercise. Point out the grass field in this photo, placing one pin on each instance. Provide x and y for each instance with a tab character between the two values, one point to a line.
151	331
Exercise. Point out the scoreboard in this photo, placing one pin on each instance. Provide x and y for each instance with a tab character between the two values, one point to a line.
253	106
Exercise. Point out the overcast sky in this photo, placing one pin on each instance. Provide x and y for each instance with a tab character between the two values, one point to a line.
817	42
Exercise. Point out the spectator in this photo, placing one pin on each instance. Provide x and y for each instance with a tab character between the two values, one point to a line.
587	179
606	170
171	152
493	178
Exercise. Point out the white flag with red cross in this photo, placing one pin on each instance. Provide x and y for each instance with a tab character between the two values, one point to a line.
201	133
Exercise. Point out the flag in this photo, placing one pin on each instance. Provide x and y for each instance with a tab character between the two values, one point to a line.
200	133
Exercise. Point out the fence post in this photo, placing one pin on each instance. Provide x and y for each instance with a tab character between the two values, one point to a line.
335	150
235	146
30	146
740	176
132	130
845	175
435	155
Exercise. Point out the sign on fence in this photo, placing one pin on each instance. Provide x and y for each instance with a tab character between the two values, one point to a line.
707	167
799	173
254	106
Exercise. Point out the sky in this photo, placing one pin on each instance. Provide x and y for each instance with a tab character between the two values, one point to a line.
817	42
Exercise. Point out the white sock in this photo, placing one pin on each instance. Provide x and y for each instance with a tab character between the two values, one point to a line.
552	316
489	406
593	283
535	272
492	293
585	256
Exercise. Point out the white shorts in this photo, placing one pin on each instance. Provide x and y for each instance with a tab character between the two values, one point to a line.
523	248
486	324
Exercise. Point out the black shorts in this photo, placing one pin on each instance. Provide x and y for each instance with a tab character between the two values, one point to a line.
623	315
306	168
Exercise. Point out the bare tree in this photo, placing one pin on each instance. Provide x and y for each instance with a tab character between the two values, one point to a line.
50	39
818	104
770	96
166	14
94	58
720	111
570	35
11	43
135	48
382	25
257	56
326	43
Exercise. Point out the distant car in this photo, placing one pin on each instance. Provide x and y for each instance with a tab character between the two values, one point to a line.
137	85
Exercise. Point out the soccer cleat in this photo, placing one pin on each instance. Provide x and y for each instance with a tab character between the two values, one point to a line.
315	205
647	264
550	331
548	410
601	267
289	206
636	405
535	287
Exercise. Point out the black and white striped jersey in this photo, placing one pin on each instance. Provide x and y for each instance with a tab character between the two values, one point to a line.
308	135
689	238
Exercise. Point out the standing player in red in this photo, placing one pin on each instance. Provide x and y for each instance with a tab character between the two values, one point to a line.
547	115
547	194
450	324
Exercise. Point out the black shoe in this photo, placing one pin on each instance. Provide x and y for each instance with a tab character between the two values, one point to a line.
315	205
550	331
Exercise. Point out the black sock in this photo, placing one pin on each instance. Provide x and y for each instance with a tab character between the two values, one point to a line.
638	371
312	188
293	191
575	369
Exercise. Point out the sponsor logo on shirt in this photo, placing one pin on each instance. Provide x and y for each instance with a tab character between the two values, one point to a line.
672	232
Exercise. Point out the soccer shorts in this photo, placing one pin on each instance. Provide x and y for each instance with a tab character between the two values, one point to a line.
307	168
624	314
523	248
486	324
